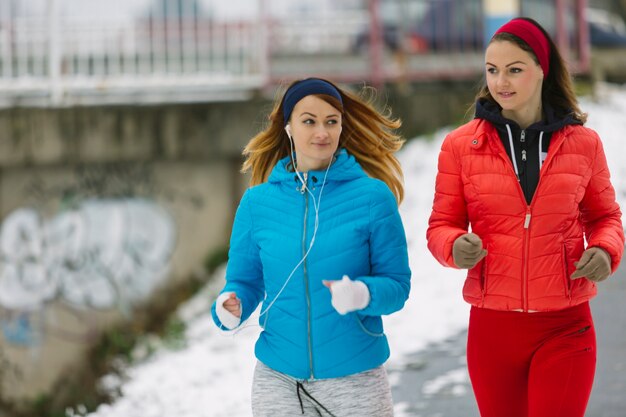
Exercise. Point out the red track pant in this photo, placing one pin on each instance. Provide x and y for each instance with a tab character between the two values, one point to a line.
532	364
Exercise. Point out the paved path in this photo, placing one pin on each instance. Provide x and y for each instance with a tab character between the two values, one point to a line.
435	384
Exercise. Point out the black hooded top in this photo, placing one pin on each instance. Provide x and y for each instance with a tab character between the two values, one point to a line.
525	143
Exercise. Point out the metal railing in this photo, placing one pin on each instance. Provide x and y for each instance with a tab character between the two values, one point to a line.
51	57
68	52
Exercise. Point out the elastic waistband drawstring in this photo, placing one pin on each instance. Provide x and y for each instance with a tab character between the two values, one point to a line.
300	387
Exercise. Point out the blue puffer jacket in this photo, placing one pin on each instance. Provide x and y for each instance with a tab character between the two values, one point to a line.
360	234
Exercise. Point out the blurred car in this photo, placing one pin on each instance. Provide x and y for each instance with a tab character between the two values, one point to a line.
430	25
606	29
457	26
452	25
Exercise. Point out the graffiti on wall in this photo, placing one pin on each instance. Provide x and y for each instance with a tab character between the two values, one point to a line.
104	253
98	239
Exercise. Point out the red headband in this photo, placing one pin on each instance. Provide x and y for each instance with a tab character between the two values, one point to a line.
533	36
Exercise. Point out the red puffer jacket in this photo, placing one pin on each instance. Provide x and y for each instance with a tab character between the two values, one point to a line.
531	248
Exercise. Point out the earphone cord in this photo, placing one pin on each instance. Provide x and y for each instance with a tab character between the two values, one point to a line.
316	207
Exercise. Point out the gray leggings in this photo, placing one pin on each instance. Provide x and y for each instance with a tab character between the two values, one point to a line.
360	395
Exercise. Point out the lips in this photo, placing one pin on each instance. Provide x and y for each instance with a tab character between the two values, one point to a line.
506	94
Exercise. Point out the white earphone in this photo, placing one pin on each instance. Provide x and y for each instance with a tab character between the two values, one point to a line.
293	157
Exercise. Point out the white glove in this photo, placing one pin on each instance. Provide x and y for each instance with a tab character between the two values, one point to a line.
228	319
348	295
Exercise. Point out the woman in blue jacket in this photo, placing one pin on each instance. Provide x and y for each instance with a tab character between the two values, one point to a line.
318	240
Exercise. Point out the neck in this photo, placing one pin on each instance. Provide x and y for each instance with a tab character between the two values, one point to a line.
526	117
306	167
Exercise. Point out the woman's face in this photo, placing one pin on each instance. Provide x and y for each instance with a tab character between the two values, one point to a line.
514	80
315	128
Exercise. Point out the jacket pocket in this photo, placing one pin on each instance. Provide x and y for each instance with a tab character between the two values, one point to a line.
483	276
375	321
567	282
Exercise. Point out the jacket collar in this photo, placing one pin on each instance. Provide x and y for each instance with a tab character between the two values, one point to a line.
344	168
486	133
552	121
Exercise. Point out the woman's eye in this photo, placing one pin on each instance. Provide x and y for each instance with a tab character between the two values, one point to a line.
516	70
491	70
308	121
332	122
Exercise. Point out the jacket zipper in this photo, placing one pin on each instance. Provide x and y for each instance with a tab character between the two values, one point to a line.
524	169
306	281
522	140
525	260
527	218
526	239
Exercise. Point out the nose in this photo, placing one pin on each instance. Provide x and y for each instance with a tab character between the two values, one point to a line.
502	78
322	130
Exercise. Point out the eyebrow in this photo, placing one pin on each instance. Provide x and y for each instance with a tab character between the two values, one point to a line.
313	115
507	65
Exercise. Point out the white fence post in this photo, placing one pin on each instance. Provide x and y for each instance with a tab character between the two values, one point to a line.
6	27
54	57
263	40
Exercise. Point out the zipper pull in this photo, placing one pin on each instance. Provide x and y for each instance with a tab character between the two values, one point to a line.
523	136
524	155
304	182
527	221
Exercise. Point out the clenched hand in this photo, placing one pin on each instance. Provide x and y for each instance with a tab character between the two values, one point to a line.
595	264
348	295
228	309
467	250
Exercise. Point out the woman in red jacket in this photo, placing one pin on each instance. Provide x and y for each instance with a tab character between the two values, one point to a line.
533	184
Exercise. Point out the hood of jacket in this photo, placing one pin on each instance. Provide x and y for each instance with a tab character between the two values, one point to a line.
552	120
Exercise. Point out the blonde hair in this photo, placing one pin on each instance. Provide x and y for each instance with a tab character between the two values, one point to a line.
367	134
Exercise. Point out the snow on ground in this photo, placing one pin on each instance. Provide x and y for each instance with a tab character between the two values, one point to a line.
212	376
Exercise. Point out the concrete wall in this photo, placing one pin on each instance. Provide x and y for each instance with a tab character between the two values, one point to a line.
101	208
198	198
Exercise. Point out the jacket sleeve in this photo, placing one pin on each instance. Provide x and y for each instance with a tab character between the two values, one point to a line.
448	219
244	274
600	213
389	283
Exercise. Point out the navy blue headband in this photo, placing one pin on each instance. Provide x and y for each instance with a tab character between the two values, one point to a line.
304	88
